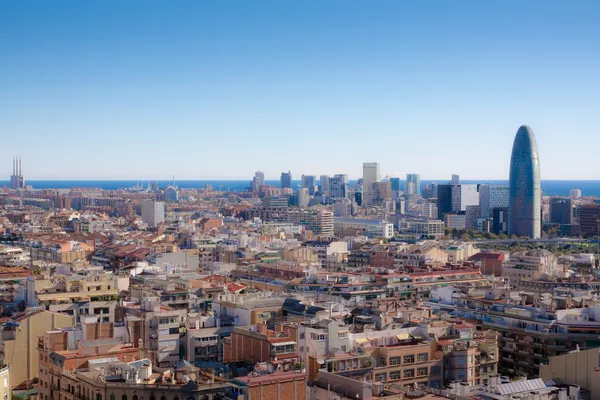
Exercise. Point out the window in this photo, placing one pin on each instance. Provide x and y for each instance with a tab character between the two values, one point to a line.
302	336
344	347
408	359
435	370
422	371
112	396
343	335
422	357
394	375
394	360
380	377
124	397
319	337
409	373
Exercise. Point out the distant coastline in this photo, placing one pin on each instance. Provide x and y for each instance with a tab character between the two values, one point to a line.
549	187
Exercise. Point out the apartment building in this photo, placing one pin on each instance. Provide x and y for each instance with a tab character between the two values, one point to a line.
470	357
319	222
110	370
19	341
278	385
259	344
528	335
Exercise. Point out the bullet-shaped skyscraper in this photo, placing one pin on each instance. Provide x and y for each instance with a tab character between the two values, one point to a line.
524	208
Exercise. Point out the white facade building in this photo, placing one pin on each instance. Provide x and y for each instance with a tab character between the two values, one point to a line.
153	212
492	196
372	228
429	210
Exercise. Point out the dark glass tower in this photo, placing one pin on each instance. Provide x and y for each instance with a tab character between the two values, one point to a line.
524	211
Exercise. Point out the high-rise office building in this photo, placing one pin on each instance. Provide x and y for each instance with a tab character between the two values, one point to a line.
153	212
455	179
492	196
456	198
429	210
524	209
430	191
382	192
286	179
338	186
395	184
561	211
324	184
500	220
575	193
463	196
17	180
589	217
302	197
412	186
258	181
343	208
370	175
444	200
309	182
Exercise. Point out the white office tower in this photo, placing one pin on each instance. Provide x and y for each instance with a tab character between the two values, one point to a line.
370	175
492	196
429	210
343	208
153	212
302	197
455	180
575	194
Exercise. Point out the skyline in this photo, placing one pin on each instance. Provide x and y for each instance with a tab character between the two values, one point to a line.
218	91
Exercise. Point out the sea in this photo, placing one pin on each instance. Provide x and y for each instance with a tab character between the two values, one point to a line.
549	187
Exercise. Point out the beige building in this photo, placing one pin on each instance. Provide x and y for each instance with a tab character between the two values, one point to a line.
5	388
576	368
301	255
19	343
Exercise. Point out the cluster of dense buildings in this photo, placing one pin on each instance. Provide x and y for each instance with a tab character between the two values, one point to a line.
325	291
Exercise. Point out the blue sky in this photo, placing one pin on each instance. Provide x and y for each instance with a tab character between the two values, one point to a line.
215	90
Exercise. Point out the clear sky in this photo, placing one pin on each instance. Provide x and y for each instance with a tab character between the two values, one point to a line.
216	90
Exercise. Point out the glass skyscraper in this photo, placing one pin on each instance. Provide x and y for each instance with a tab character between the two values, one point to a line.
412	186
524	207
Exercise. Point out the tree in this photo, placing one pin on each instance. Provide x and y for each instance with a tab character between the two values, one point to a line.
502	236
